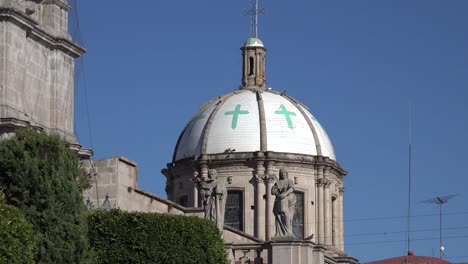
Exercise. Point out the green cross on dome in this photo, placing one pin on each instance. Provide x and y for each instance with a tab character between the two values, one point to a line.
235	115
287	114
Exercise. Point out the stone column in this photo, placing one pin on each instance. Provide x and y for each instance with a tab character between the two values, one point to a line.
335	230
320	208
269	201
340	219
204	170
195	195
327	212
260	203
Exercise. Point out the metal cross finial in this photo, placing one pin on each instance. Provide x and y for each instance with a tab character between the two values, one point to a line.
253	12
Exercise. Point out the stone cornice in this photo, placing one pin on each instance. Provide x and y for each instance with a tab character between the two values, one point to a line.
34	31
268	157
59	3
14	122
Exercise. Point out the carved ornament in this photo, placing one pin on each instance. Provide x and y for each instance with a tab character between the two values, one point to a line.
341	191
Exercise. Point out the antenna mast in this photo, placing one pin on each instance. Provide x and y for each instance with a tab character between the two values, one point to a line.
440	201
409	180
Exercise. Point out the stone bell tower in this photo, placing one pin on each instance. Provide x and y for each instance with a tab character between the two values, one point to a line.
37	64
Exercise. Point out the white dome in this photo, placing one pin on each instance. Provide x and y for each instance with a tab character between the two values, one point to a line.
253	120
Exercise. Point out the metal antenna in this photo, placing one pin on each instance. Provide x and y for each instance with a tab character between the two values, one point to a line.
440	201
409	179
253	12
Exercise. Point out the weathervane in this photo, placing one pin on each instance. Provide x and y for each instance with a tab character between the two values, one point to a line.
253	12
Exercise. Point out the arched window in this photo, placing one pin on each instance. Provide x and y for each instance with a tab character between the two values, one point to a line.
251	66
298	220
234	213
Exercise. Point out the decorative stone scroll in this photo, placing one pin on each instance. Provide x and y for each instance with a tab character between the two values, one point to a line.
319	182
341	191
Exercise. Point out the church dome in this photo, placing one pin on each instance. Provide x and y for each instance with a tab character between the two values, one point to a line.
251	120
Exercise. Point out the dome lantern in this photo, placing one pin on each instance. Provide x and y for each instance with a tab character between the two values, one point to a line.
253	73
253	54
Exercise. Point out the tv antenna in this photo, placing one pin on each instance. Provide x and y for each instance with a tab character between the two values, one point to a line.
440	201
253	12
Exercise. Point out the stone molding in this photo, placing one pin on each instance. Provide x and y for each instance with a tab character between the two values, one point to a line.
242	158
63	5
36	32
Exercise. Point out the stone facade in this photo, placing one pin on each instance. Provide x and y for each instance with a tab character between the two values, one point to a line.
37	69
319	179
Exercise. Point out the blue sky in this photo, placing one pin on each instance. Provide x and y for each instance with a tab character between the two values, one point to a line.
357	64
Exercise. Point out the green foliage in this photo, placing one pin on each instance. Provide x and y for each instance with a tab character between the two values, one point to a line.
17	239
39	175
123	237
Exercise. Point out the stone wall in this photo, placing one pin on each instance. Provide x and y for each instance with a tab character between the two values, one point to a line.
37	67
117	178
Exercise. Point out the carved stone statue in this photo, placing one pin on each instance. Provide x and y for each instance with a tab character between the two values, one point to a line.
285	204
214	194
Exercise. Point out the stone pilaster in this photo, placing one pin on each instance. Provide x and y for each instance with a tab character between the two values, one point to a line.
340	219
320	206
327	213
269	201
195	195
260	203
335	229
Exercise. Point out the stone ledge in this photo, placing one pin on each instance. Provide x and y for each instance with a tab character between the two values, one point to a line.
245	235
59	3
246	157
34	31
169	203
125	160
